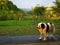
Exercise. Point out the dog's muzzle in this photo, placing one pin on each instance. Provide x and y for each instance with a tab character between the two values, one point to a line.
38	27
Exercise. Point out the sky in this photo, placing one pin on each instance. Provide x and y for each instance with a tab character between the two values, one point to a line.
29	4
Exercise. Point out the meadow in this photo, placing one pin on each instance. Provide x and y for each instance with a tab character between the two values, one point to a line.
23	28
19	22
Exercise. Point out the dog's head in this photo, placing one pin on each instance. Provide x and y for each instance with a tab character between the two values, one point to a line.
39	25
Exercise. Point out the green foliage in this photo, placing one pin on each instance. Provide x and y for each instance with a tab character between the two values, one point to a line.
11	6
3	15
57	7
39	10
3	0
30	12
8	11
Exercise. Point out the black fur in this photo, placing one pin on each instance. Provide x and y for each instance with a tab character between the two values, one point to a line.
42	26
47	30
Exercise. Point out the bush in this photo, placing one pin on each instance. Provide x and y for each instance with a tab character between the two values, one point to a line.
3	17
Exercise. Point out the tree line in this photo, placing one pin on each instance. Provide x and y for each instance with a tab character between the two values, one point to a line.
9	11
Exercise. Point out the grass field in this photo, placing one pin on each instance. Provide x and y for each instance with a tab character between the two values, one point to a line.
22	28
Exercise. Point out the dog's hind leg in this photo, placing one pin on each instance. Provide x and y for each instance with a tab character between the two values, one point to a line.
45	34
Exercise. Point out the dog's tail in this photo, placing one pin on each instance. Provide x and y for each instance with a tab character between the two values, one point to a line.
53	28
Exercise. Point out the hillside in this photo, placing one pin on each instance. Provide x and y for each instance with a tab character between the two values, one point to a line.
8	9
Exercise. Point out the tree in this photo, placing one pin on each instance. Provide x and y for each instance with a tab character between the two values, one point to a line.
8	10
3	4
38	11
11	6
20	15
57	7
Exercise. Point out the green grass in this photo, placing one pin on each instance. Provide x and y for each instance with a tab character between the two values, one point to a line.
22	28
18	30
14	23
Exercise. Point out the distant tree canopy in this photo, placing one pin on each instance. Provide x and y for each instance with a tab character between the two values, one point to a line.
39	10
57	7
8	5
8	10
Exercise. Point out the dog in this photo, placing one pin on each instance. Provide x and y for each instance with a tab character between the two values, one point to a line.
45	28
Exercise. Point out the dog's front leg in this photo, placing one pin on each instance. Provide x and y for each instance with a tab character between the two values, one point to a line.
45	34
40	31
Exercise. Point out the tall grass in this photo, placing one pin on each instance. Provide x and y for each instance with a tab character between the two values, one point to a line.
24	27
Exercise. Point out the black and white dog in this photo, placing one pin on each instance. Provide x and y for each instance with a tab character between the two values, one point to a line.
44	29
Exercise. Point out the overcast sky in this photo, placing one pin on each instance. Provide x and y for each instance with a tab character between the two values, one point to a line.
31	3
